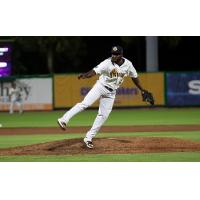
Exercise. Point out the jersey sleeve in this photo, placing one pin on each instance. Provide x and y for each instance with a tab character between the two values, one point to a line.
132	71
101	68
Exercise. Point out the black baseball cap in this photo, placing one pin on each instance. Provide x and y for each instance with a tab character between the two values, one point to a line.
117	50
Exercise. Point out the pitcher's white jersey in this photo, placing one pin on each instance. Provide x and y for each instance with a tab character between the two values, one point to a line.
112	75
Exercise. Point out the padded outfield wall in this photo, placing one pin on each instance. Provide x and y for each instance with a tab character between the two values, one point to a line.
169	89
63	91
183	89
37	92
68	90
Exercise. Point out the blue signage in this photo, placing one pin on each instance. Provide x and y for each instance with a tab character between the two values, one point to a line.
183	89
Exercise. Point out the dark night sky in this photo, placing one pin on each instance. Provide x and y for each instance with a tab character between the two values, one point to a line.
182	56
185	57
98	49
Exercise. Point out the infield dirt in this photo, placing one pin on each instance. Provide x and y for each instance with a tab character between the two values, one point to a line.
109	129
116	145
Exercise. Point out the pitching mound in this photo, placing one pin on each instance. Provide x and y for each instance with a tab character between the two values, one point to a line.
116	145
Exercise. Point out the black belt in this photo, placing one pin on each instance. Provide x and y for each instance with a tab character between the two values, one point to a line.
110	89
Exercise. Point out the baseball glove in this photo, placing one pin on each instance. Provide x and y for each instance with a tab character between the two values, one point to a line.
148	97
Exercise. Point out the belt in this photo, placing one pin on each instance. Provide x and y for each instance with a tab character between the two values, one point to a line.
110	89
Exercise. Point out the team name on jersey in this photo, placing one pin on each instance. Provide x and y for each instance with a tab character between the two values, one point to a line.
115	73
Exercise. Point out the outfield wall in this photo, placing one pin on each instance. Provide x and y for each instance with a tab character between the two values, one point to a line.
169	89
64	91
68	90
183	89
37	93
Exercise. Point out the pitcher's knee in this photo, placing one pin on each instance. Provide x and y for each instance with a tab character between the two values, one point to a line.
83	105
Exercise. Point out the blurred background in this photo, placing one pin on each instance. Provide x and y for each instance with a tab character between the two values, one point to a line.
44	55
168	67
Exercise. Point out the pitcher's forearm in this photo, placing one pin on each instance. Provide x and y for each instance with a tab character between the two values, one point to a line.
89	74
137	83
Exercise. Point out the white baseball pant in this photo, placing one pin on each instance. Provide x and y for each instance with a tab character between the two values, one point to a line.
105	107
18	103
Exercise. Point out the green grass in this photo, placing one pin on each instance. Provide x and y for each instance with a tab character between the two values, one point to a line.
117	117
147	157
22	140
156	116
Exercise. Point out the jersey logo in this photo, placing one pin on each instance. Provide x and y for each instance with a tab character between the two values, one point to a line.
115	73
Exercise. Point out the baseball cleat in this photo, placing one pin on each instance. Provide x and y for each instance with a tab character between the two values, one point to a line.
61	124
88	143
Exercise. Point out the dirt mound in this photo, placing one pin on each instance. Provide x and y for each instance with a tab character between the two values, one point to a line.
118	145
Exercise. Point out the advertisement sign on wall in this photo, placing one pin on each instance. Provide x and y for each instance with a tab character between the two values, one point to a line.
68	90
183	89
36	93
5	60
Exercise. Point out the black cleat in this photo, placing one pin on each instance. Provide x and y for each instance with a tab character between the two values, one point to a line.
61	124
88	143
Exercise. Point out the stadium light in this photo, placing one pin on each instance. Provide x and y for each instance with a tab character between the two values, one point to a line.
3	64
4	49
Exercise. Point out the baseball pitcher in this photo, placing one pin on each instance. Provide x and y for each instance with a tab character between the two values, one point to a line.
112	72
